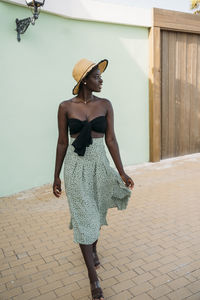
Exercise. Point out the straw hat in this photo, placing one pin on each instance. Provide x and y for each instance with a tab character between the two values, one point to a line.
81	69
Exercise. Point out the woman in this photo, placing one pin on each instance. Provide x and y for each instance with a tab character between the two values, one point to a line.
92	186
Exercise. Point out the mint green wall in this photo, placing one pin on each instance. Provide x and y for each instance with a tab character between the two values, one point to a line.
36	77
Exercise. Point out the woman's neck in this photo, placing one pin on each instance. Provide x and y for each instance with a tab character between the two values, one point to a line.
85	95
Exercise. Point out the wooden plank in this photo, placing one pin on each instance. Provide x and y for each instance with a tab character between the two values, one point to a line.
183	139
173	20
193	93
198	95
164	94
188	93
155	95
177	99
172	93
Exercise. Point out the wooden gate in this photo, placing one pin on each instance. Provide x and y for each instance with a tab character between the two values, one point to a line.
174	84
180	93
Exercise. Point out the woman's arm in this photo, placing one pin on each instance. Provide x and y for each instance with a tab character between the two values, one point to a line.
113	147
62	145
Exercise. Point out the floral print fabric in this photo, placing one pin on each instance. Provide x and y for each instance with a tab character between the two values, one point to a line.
92	187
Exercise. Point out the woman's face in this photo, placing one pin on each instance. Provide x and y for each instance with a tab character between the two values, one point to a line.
94	81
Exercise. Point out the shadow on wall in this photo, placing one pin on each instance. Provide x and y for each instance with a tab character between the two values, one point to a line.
37	78
180	115
175	113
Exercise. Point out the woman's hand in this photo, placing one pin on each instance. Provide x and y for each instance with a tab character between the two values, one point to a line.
127	180
57	187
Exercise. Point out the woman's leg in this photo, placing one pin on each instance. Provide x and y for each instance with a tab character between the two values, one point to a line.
88	257
94	245
94	281
95	256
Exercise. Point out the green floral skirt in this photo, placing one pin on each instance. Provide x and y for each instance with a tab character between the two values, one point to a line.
92	186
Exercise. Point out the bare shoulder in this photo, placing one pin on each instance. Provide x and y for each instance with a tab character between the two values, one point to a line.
107	103
64	105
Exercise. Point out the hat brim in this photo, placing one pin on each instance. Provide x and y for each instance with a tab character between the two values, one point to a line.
102	65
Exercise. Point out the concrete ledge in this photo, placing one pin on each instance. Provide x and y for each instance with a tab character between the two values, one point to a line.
96	10
164	163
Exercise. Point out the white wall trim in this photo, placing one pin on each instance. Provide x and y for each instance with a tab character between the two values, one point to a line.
96	10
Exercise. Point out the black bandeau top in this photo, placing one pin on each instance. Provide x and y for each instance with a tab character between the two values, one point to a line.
84	139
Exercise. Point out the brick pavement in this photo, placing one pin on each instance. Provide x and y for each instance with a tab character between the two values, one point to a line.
149	251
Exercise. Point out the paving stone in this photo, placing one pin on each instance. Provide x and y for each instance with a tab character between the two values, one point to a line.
179	294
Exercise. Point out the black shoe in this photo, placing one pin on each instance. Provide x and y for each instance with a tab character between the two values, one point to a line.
96	290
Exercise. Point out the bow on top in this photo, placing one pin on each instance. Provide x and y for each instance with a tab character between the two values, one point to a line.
84	139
